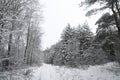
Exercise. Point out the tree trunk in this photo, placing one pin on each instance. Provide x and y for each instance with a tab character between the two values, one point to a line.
1	32
32	50
117	8
9	45
27	44
18	47
29	48
116	18
31	56
10	39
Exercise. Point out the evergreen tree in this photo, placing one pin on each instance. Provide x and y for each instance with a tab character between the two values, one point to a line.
113	5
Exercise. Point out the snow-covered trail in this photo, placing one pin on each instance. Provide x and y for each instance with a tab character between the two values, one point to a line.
46	72
110	71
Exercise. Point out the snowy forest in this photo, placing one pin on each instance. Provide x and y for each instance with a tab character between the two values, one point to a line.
80	54
79	46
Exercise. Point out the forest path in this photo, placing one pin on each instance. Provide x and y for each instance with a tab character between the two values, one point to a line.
109	71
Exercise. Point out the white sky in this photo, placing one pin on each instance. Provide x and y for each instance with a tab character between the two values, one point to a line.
57	14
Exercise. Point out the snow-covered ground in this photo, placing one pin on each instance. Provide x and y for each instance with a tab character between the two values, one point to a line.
109	71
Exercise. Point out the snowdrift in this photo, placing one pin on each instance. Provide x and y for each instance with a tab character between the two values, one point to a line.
109	71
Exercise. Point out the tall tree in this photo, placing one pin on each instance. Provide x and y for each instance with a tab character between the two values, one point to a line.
33	31
106	26
113	5
84	37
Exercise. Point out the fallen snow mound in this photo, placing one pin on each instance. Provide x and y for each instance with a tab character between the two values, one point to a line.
109	71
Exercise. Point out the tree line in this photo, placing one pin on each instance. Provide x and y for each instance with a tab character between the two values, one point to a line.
79	46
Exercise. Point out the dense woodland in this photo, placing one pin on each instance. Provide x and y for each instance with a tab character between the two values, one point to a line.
20	34
79	46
